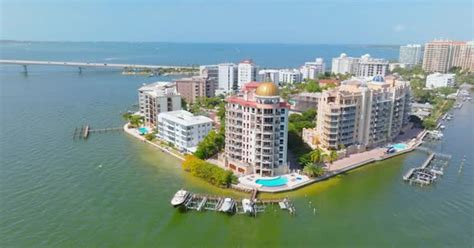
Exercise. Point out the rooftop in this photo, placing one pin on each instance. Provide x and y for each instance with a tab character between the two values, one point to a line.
185	118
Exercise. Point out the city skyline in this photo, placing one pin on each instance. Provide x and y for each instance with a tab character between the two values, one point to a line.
209	21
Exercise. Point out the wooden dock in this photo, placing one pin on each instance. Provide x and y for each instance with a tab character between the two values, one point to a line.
83	132
201	202
431	169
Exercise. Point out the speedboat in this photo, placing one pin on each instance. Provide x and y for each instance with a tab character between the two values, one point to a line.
442	127
247	206
227	205
179	197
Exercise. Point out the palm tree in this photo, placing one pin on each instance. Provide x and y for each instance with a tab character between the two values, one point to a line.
332	156
315	155
313	170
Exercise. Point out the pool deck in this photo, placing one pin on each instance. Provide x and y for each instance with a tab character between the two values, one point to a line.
340	166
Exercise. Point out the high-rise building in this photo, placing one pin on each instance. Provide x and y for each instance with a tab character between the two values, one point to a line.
209	71
183	129
247	72
157	98
411	54
227	78
370	67
311	70
256	131
194	88
344	64
440	56
268	75
290	76
363	114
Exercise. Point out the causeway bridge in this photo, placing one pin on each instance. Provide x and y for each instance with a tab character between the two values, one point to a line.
82	65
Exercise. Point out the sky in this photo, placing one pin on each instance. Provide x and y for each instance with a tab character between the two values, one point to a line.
238	21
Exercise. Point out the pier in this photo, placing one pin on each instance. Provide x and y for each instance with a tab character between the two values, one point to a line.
83	132
431	169
204	202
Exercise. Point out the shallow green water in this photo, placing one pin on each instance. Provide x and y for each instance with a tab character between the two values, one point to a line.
114	191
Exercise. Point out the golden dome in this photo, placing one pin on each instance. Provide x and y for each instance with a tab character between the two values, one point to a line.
267	89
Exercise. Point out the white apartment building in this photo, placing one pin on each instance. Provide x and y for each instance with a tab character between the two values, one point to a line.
256	131
290	76
363	114
311	70
344	64
157	98
370	67
437	80
183	129
227	78
247	72
268	75
411	54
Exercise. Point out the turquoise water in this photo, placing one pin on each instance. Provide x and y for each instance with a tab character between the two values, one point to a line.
274	182
400	146
143	130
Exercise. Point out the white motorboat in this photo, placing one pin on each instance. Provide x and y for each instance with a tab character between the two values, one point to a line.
179	197
227	205
442	127
247	206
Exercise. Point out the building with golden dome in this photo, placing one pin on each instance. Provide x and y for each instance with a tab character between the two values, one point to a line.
256	131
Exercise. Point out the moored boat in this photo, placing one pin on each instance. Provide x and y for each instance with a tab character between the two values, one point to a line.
227	205
179	197
247	206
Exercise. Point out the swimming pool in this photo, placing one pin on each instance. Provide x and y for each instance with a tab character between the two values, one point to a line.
400	146
273	182
143	130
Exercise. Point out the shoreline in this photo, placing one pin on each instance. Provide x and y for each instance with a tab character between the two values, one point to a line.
141	138
247	188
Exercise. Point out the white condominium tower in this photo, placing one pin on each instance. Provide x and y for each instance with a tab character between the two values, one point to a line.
440	56
311	70
370	67
290	76
227	77
256	131
363	114
183	129
344	64
247	72
157	98
411	54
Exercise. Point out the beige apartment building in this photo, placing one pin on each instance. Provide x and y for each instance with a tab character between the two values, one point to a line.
440	56
362	114
256	131
194	88
155	98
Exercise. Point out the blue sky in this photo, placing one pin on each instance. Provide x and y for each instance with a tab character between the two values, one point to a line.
238	21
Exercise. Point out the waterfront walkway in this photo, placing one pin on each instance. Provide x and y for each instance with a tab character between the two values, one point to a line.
134	132
343	165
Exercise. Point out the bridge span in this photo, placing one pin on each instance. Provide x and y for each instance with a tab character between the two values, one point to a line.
81	65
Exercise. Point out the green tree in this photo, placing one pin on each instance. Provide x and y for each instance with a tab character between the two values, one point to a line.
332	156
312	86
149	136
313	170
429	123
210	145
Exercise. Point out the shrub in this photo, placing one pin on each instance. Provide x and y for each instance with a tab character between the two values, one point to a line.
207	171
